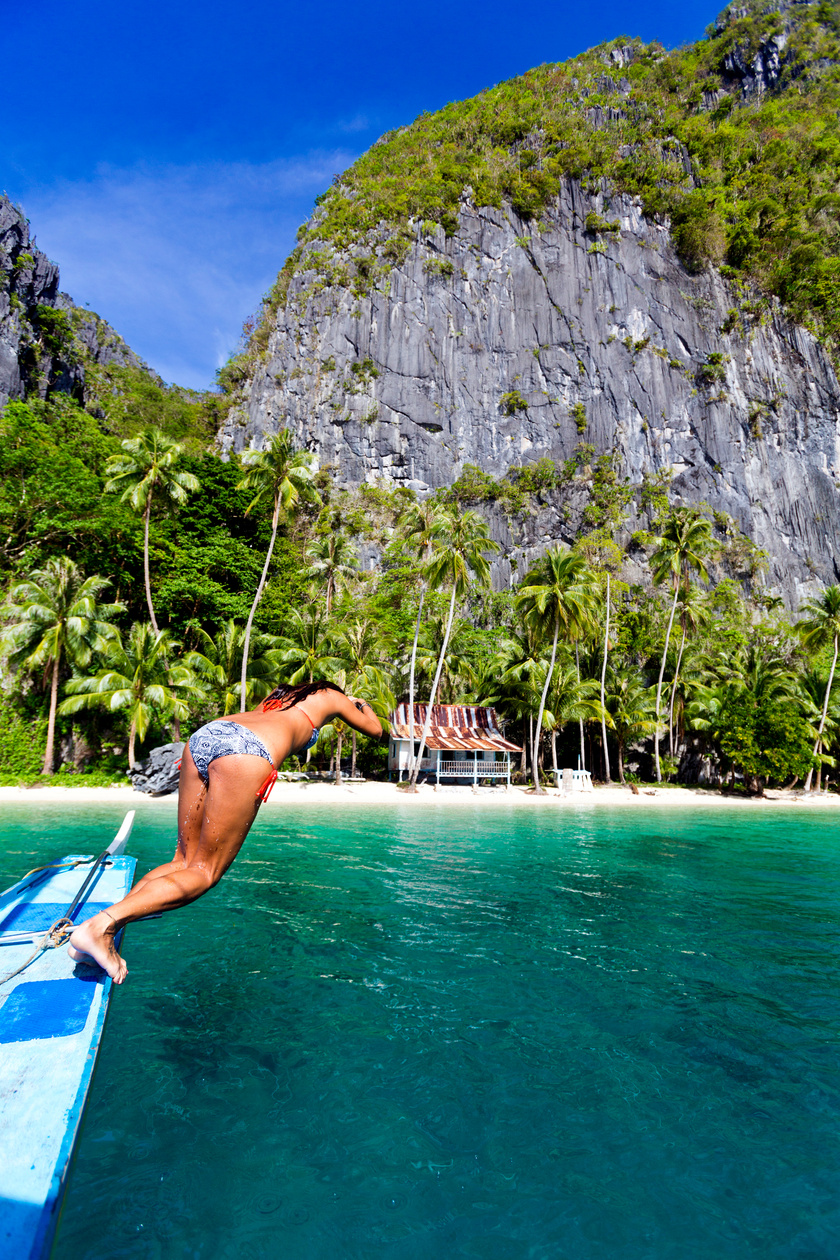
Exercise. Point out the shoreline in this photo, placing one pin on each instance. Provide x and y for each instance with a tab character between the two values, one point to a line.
374	792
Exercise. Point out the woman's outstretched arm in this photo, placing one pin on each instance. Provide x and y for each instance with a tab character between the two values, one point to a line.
358	714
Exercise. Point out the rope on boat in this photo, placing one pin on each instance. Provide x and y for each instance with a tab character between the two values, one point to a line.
52	938
59	932
56	866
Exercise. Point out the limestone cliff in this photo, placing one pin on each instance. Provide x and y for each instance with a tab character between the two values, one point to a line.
632	252
506	342
45	340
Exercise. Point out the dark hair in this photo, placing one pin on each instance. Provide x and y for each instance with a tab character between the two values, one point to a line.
284	697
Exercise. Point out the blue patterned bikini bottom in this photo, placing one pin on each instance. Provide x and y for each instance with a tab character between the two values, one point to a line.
224	739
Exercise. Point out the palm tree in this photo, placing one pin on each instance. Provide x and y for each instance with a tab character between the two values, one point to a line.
603	680
512	681
136	676
334	559
572	700
417	533
760	670
756	672
149	467
693	613
812	691
217	661
282	476
591	583
464	557
685	541
357	646
57	619
552	595
631	707
457	675
819	627
306	645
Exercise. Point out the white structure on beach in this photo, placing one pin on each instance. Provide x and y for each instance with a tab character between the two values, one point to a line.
573	780
464	743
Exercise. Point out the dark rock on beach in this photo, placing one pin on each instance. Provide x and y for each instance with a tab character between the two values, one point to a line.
158	774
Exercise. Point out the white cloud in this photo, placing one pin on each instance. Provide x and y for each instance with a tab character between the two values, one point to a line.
176	257
360	122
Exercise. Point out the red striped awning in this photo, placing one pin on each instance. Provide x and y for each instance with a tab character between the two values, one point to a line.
455	727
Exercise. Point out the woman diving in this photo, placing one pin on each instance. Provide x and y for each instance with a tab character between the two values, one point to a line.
223	783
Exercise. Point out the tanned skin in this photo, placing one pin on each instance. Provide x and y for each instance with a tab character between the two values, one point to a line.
213	821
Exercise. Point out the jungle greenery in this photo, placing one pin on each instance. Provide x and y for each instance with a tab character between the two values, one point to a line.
707	659
747	177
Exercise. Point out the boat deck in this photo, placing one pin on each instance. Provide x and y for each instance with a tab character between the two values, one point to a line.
51	1020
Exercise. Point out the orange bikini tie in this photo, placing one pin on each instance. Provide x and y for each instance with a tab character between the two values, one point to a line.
264	791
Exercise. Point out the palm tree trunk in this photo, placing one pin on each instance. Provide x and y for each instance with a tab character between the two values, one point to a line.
353	758
48	751
580	720
523	767
538	787
338	759
603	681
807	786
428	723
247	643
411	684
146	516
132	735
554	752
621	763
659	683
673	695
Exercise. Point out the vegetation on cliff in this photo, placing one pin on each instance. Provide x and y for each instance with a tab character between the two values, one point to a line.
735	139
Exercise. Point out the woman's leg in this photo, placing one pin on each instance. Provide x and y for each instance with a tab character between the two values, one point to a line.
209	839
192	794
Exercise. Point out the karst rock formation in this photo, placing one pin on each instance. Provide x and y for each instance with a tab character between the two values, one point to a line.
490	361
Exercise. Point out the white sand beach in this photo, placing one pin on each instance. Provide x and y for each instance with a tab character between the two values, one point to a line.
386	794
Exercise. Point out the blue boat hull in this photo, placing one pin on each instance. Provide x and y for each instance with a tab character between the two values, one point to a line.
51	1020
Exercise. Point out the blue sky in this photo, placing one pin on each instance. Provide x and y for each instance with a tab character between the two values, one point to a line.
166	153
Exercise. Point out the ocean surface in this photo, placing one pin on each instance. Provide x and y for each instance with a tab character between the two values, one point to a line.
435	1033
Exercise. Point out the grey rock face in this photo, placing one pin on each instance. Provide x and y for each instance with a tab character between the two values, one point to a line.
512	341
29	280
158	774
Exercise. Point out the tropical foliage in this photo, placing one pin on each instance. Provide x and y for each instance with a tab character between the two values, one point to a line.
57	619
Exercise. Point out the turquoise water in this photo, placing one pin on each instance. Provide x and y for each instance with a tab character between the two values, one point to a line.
414	1034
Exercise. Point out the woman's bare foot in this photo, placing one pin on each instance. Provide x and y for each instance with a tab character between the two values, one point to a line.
92	942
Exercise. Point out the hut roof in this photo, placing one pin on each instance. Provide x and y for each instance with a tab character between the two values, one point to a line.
454	726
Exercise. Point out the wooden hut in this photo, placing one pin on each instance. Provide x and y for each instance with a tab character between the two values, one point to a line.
464	742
